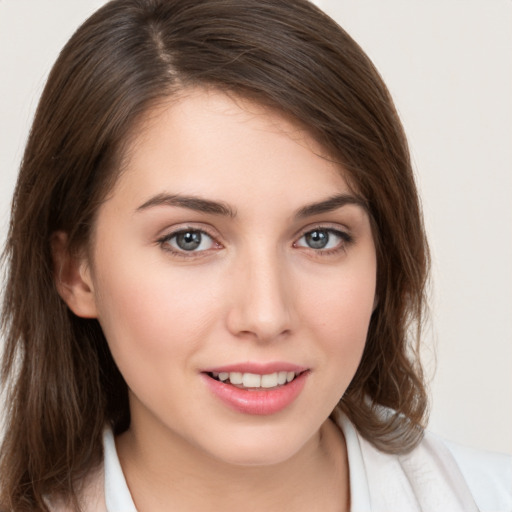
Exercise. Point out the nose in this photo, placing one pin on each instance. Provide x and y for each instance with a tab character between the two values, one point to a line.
262	305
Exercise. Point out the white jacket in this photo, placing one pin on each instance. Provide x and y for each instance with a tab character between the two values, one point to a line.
435	477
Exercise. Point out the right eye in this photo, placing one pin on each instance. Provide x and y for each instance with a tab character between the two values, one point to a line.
188	241
324	240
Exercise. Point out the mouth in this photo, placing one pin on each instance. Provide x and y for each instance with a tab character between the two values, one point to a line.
257	390
254	381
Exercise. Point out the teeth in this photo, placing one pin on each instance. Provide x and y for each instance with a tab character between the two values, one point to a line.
269	381
253	380
235	378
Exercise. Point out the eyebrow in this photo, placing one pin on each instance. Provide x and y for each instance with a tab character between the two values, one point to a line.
330	204
219	208
190	202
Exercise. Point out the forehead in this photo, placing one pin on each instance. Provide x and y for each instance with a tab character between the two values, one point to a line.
207	141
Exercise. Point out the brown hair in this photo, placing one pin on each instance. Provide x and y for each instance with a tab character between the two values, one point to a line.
62	385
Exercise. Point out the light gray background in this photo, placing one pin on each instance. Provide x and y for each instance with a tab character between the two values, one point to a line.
448	64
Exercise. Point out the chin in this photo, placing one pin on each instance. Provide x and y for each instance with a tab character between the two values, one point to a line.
259	447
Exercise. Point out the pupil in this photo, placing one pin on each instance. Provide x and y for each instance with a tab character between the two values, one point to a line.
189	240
317	239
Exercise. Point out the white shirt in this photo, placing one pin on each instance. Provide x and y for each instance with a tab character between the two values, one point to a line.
435	477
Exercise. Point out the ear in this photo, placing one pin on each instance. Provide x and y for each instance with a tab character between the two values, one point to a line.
72	278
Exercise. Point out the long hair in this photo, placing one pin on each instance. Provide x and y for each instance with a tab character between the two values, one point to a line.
61	383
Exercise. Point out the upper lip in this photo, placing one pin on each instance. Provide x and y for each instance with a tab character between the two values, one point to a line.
257	368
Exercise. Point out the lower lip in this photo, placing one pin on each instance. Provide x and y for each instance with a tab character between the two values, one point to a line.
258	402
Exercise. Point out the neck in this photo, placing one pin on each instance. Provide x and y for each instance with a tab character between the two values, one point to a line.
166	474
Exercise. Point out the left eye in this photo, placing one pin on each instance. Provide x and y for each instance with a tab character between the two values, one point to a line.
190	240
321	239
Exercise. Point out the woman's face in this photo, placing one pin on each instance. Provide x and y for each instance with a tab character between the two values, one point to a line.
230	258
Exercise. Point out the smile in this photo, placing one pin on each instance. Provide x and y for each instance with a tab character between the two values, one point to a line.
261	391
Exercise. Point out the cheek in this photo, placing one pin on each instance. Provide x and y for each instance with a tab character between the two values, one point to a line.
339	313
153	312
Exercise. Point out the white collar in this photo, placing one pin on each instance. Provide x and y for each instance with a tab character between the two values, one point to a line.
427	479
117	494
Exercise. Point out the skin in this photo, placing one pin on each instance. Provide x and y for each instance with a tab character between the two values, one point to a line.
253	291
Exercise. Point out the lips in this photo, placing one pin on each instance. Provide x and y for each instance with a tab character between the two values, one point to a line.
256	389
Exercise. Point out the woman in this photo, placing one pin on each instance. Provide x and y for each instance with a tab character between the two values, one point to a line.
216	256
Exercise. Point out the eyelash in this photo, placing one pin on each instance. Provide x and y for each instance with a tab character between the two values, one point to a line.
345	240
164	242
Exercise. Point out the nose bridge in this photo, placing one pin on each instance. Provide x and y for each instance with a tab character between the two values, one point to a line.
262	303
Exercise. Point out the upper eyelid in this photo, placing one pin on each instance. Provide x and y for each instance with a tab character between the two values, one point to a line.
328	226
171	232
343	234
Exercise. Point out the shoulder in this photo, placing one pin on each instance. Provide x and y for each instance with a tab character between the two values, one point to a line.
488	475
477	477
105	488
435	476
90	496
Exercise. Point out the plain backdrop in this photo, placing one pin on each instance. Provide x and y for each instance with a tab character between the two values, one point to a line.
448	65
